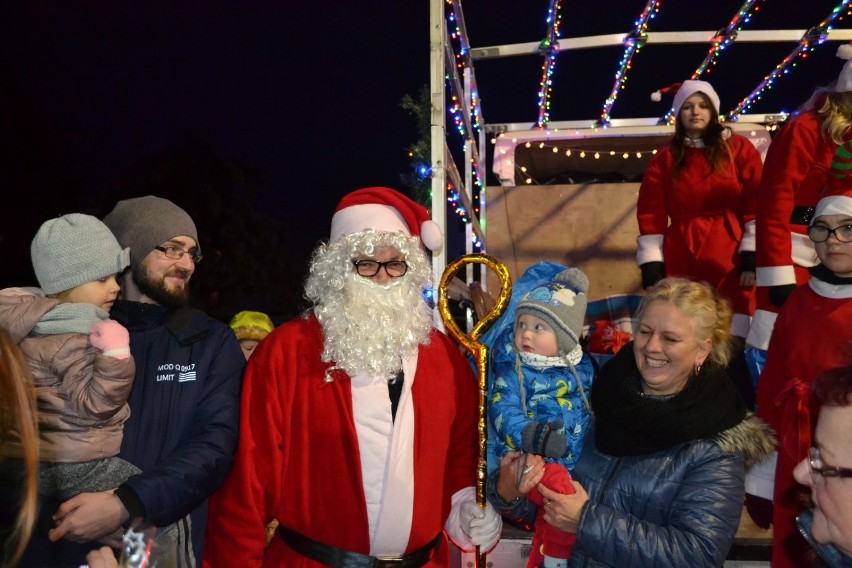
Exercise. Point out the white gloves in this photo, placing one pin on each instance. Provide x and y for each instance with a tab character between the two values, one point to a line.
481	526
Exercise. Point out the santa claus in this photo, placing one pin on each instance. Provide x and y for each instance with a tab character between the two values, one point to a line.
359	420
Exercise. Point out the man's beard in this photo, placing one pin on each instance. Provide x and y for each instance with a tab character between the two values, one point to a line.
155	288
370	327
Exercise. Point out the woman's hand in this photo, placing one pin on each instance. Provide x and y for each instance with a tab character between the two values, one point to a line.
747	279
515	466
563	511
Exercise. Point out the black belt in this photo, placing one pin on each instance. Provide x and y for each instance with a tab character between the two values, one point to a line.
802	215
339	558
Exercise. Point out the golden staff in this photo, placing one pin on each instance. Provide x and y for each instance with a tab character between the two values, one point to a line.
478	351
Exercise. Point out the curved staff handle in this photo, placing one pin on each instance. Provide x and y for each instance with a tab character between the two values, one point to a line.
478	351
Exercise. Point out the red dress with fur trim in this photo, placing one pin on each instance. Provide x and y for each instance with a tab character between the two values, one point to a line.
812	334
299	461
698	218
796	170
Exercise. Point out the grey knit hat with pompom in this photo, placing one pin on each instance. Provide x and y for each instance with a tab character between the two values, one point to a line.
562	304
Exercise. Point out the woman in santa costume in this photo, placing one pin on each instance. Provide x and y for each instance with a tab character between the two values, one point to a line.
358	425
696	207
795	173
812	333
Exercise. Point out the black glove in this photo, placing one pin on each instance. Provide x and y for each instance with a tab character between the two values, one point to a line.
760	510
544	440
748	261
652	272
779	294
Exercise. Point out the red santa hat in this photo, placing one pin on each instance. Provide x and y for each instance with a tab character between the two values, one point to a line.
685	90
837	195
386	211
844	80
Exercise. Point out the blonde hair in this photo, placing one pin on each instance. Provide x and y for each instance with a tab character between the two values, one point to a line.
18	421
710	312
834	110
836	115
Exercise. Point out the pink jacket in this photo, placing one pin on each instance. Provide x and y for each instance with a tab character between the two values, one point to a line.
81	394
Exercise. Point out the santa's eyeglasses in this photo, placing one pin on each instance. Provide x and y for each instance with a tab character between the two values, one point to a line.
369	268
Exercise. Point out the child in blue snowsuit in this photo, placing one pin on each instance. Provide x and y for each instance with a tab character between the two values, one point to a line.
539	399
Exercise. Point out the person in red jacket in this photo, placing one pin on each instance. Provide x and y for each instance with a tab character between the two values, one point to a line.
795	172
696	209
812	334
358	420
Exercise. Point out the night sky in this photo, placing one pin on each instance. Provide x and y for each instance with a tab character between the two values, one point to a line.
305	95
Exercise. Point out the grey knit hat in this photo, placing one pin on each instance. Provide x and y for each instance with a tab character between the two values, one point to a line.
562	304
142	223
75	249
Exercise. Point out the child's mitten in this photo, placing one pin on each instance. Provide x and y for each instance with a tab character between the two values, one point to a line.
544	440
112	338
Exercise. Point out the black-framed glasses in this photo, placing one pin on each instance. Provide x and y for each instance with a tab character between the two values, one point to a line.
369	268
176	253
818	467
820	233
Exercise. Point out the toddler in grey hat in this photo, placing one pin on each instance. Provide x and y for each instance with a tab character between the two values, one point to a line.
538	401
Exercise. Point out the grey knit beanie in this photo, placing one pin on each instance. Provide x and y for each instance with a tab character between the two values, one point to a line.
562	304
75	249
142	223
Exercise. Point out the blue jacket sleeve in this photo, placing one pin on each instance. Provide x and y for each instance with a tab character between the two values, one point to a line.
184	479
505	409
702	520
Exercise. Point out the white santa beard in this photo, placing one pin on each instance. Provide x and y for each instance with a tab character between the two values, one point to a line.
363	324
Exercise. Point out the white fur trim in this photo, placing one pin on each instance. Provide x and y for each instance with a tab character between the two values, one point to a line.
833	205
387	458
749	237
775	275
430	234
803	252
650	249
760	331
740	324
832	291
357	218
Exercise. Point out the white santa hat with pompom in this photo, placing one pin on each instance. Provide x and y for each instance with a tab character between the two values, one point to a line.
844	80
387	211
683	91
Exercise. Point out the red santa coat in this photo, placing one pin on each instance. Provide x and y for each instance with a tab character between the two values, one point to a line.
796	170
298	458
812	333
709	213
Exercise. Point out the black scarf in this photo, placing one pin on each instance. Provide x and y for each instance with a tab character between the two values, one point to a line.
627	423
822	273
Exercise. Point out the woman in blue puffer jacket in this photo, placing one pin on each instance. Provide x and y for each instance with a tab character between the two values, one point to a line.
660	480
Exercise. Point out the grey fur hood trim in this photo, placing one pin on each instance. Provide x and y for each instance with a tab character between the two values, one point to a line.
753	438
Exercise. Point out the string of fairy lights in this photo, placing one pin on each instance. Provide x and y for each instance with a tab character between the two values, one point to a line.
814	37
720	42
633	43
549	48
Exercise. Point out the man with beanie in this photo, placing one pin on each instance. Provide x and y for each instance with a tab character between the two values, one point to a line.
182	431
538	400
359	420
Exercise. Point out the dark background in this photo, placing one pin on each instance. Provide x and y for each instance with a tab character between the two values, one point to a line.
256	117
